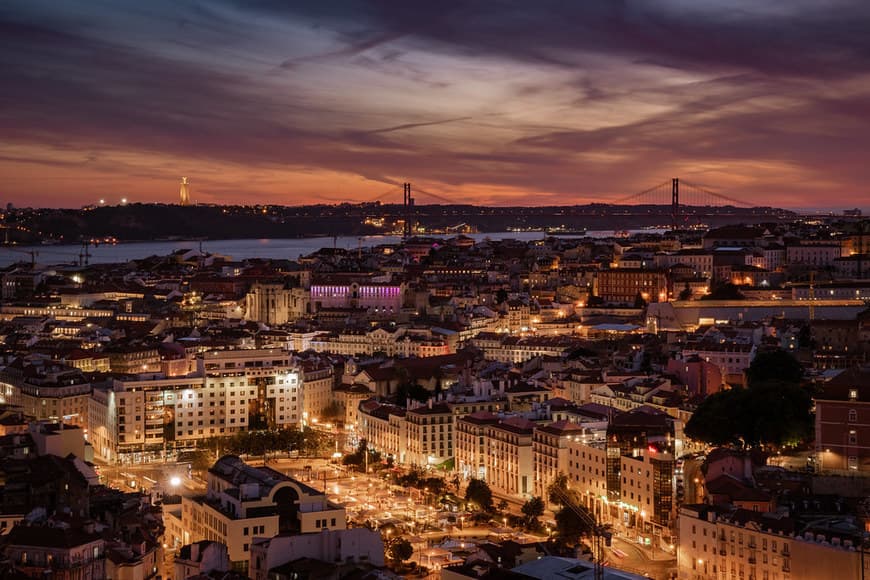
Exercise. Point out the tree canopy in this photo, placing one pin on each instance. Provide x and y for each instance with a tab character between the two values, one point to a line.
358	457
775	409
478	492
308	442
400	550
774	365
532	510
570	526
558	490
411	391
726	291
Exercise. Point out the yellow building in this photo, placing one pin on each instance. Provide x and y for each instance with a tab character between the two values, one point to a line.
244	502
724	543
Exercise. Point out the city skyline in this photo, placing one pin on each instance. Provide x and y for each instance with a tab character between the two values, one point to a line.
506	105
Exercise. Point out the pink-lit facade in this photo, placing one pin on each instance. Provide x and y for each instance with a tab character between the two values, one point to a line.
370	296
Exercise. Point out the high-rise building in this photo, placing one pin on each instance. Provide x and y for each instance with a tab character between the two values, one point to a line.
185	192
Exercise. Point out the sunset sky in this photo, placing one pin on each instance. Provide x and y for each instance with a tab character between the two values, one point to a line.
493	102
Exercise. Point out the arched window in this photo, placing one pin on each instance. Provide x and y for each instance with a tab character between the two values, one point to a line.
853	416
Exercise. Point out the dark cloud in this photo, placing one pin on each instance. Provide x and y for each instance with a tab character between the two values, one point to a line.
564	99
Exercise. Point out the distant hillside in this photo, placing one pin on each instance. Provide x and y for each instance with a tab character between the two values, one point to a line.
158	221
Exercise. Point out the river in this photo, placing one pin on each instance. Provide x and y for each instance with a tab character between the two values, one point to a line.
290	248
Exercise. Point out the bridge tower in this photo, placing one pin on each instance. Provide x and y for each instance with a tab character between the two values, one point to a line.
675	203
408	206
185	192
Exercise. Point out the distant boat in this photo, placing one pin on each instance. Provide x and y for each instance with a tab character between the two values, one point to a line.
561	231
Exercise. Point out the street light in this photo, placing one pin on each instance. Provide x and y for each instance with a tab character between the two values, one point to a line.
174	481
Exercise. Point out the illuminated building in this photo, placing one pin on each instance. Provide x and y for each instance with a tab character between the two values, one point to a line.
185	192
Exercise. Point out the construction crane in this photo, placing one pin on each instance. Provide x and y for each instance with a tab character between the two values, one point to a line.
31	253
601	533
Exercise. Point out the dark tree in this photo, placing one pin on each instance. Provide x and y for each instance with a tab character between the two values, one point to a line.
639	301
725	291
780	413
411	391
558	490
805	337
571	526
401	550
478	493
501	296
774	365
771	413
685	293
358	457
717	420
532	510
333	410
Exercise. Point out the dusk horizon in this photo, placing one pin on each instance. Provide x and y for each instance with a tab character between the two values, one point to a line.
501	105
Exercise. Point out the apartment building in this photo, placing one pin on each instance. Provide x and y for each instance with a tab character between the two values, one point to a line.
148	415
732	358
587	472
624	285
261	388
55	552
317	379
429	430
508	461
843	422
349	398
724	543
813	254
470	444
134	359
396	341
518	349
359	546
244	502
233	390
550	451
647	491
384	428
631	435
699	260
47	390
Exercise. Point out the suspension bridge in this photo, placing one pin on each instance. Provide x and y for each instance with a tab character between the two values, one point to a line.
675	193
678	194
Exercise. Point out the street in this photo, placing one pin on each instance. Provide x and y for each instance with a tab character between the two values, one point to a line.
370	499
630	557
